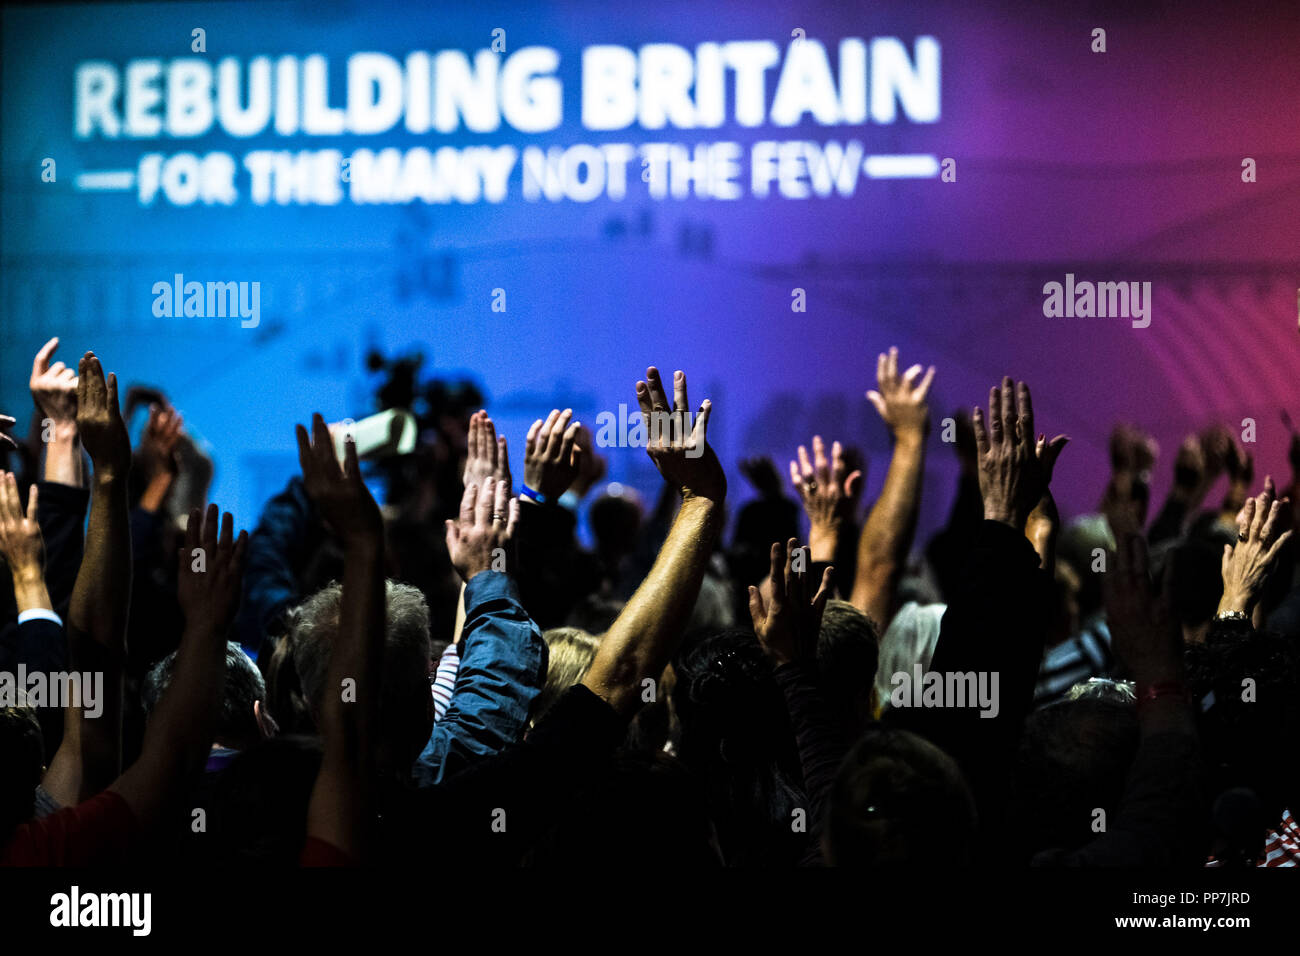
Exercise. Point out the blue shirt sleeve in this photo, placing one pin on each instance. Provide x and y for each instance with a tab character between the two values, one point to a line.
502	668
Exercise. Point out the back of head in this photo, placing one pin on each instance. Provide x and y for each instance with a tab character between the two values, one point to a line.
1074	759
848	646
899	801
22	762
734	732
405	710
237	726
570	651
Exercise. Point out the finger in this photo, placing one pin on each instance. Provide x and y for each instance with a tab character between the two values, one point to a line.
643	402
500	506
838	465
1260	516
1052	451
1278	545
513	518
923	389
1025	411
192	529
322	447
700	434
111	395
547	438
882	366
805	466
42	360
1225	562
1245	519
981	433
821	467
680	402
227	533
95	391
566	443
240	550
853	485
658	397
487	437
1009	416
823	594
995	416
1271	523
911	375
483	507
209	534
31	502
777	573
756	613
474	440
891	365
467	502
58	368
793	579
503	459
453	530
1270	489
7	510
530	440
304	450
878	402
795	478
351	465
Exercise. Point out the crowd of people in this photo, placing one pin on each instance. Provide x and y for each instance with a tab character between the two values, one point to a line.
454	675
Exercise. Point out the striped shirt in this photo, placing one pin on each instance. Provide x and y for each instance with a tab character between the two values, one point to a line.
444	681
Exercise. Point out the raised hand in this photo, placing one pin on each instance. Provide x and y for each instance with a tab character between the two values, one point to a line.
99	420
1260	539
20	535
210	571
551	455
339	494
829	491
680	452
1014	469
486	453
480	538
53	387
901	399
788	624
161	435
591	466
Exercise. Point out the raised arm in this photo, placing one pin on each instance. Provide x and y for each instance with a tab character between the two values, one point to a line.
886	538
341	804
54	389
641	641
829	491
89	757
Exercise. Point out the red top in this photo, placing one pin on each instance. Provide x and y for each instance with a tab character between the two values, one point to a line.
99	831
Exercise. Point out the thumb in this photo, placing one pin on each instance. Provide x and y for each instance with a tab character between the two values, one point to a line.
756	613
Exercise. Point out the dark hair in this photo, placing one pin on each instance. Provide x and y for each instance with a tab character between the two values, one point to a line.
735	734
1074	759
244	686
848	647
899	801
22	759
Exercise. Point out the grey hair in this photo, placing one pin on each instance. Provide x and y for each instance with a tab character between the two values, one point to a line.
314	625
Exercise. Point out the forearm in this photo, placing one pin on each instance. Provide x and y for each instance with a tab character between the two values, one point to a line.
155	493
30	592
888	532
341	797
501	671
1169	523
641	642
102	593
63	461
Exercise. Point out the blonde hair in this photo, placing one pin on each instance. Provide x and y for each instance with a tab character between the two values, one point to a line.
570	653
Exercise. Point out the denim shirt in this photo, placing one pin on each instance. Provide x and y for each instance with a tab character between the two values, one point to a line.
502	669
